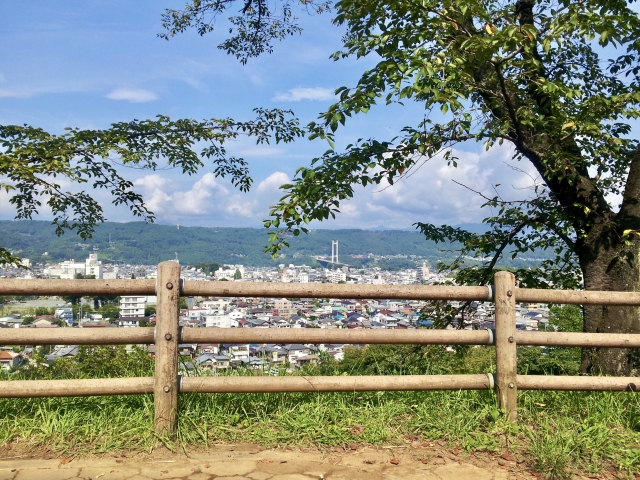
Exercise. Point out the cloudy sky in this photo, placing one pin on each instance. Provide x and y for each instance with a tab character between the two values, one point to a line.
88	64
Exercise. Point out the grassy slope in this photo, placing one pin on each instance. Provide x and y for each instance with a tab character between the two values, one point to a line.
555	430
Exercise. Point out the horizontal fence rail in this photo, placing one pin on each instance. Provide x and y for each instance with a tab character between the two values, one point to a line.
166	336
234	384
77	388
77	336
416	337
317	336
18	286
146	336
335	384
576	297
249	384
574	339
594	384
328	290
95	287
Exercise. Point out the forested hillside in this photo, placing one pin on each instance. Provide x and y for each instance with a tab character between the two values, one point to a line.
141	243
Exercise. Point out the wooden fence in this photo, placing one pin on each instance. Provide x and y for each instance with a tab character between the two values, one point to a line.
167	384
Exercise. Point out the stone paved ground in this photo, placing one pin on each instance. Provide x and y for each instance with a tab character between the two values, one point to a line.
247	462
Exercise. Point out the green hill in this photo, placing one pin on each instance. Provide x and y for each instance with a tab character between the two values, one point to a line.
141	243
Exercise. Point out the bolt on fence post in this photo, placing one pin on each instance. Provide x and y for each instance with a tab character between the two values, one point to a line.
506	361
165	389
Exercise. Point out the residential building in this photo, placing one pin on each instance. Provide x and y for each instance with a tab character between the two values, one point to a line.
129	321
69	269
284	308
132	305
336	276
228	272
12	321
219	321
9	359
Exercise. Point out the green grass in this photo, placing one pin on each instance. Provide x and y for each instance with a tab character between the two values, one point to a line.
556	431
588	431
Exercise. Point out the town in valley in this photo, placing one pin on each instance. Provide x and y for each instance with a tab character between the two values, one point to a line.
197	312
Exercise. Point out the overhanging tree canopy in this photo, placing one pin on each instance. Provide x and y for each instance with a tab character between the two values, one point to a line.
556	80
33	161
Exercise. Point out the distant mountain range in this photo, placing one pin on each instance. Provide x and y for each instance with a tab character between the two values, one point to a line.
142	243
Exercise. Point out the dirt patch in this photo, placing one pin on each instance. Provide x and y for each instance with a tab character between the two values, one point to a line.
414	459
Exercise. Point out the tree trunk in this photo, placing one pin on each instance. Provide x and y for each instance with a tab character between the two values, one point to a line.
609	264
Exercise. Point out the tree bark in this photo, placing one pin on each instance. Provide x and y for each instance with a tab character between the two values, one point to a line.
611	271
610	261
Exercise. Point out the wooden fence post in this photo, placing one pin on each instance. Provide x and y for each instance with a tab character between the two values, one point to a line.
165	389
506	361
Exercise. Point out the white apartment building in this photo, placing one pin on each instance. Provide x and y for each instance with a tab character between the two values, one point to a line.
219	321
377	280
216	304
422	272
112	275
336	276
239	352
70	268
93	266
228	274
134	305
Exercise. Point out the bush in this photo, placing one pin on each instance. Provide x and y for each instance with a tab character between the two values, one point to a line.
104	361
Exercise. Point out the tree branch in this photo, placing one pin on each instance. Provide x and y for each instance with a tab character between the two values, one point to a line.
508	102
507	240
565	238
631	197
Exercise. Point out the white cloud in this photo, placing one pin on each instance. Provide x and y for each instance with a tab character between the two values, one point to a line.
430	194
133	95
304	93
197	201
151	182
272	182
260	151
208	201
21	92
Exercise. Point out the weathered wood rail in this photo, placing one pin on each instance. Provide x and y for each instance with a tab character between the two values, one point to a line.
167	384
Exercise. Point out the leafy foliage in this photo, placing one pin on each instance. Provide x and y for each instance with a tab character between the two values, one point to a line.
92	362
252	32
554	360
556	80
31	161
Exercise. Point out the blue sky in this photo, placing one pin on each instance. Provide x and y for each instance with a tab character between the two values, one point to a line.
88	64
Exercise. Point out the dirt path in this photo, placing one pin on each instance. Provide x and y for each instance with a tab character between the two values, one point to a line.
250	462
